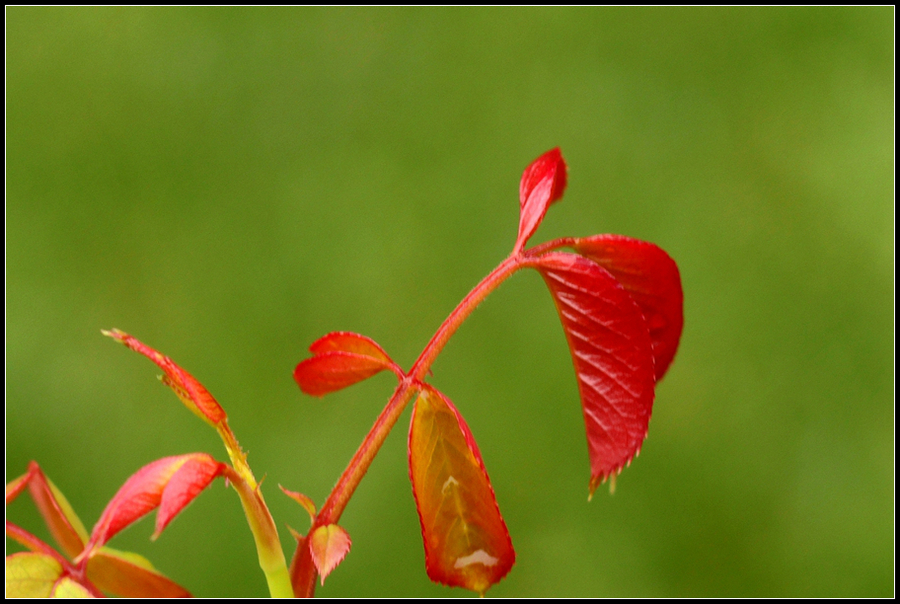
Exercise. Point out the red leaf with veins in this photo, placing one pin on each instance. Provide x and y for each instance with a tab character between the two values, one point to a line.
170	483
543	183
651	277
341	359
467	543
613	357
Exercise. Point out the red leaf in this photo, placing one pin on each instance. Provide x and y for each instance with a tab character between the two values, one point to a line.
189	390
651	277
467	543
65	526
170	483
328	546
347	341
613	357
185	484
341	359
543	183
303	500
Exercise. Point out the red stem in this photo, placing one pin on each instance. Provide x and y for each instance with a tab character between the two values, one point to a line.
302	570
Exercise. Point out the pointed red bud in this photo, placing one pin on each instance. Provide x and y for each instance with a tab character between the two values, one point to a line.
542	184
189	390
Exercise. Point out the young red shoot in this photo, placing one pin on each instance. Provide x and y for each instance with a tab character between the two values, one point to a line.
169	484
620	304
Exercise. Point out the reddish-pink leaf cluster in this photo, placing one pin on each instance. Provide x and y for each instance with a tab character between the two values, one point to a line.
169	484
88	567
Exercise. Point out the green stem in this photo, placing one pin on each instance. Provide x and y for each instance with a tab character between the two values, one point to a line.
268	545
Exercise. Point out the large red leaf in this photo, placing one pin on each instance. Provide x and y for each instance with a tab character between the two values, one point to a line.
543	183
651	277
467	543
613	357
341	359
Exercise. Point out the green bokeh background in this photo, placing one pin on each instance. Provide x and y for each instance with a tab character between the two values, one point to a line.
230	184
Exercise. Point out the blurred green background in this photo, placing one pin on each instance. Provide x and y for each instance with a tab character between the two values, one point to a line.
230	184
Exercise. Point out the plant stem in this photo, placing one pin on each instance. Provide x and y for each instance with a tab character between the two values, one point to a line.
268	546
362	459
407	389
461	313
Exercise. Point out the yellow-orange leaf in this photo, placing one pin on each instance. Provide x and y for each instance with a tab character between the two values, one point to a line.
67	587
467	543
